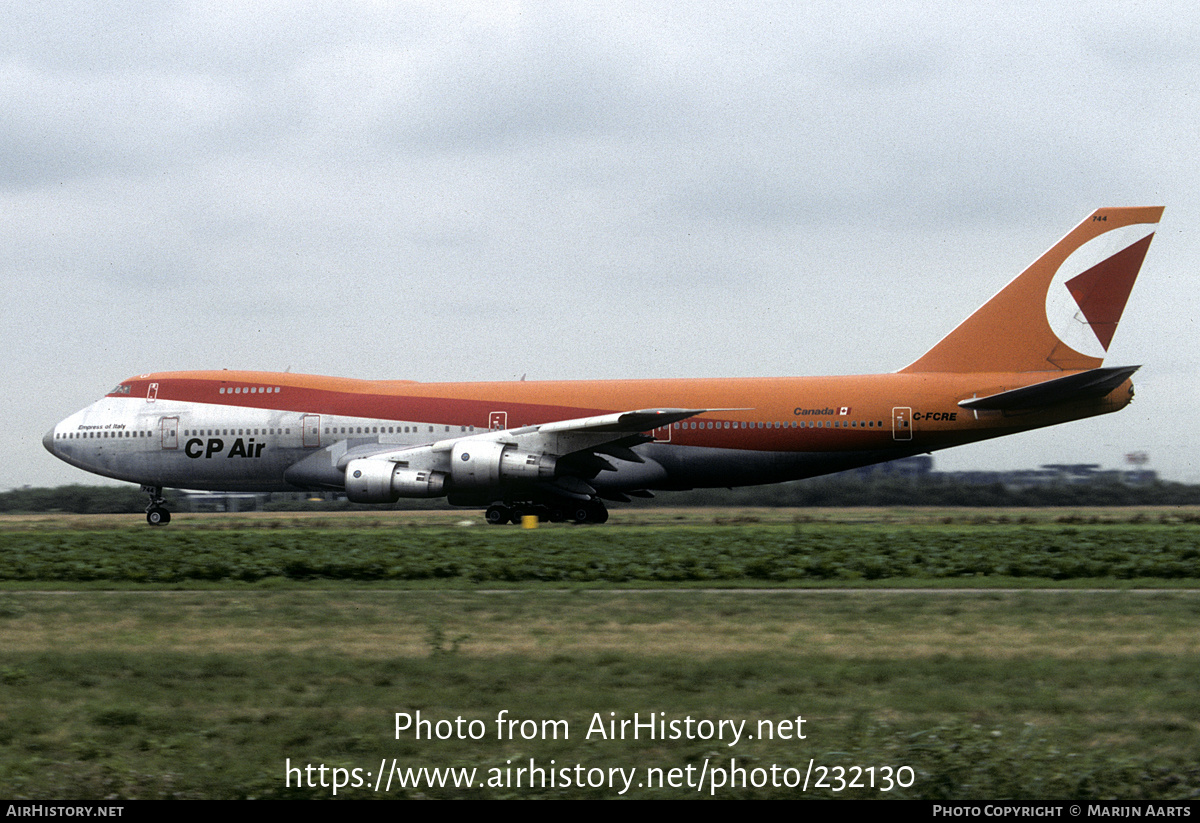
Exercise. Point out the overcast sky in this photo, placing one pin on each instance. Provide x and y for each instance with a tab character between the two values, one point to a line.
476	191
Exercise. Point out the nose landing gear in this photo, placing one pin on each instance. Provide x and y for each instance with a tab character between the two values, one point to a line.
156	512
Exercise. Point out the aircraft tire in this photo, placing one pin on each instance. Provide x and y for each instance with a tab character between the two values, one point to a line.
158	517
593	512
497	515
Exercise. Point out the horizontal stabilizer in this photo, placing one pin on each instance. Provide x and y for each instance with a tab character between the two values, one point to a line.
1081	386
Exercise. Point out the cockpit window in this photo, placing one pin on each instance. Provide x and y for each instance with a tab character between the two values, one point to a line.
124	388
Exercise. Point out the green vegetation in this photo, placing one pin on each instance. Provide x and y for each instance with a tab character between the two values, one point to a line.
734	550
207	694
75	499
837	490
197	660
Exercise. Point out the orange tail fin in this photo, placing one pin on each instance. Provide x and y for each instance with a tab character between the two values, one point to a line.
1061	312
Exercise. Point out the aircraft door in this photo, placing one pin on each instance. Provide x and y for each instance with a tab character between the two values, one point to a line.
169	427
902	423
498	421
311	428
662	434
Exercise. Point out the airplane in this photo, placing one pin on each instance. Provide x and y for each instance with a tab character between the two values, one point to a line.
1030	357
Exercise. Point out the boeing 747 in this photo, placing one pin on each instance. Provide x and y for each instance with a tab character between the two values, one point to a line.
1032	356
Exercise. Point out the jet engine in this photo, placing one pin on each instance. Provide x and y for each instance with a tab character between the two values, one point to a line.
487	463
382	481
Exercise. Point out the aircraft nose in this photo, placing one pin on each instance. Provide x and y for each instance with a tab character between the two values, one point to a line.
48	441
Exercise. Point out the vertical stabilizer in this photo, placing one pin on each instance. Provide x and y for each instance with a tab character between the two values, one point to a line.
1059	314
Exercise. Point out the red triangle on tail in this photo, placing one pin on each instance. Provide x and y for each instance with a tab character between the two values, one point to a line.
1103	290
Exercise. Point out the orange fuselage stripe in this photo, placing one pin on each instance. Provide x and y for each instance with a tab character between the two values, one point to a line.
849	402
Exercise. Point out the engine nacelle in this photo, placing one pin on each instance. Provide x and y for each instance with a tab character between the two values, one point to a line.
476	464
382	481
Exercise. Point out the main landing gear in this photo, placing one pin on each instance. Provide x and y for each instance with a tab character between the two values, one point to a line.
156	512
591	511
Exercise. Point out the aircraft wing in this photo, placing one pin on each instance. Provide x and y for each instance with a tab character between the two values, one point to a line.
1085	385
599	429
558	438
630	421
612	433
560	457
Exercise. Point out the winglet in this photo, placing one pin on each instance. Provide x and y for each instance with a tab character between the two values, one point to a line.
1062	311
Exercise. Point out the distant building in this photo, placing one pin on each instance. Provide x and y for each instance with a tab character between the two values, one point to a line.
921	466
1053	474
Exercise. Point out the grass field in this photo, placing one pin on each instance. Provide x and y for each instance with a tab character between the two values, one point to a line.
211	687
730	549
